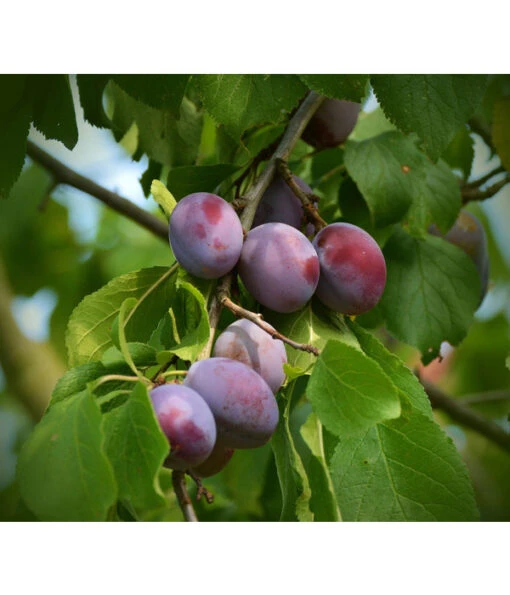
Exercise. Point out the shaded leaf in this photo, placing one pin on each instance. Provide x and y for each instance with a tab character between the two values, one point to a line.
352	87
185	180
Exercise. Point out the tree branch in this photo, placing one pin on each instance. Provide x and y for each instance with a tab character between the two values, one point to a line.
470	194
493	396
65	175
480	181
466	416
179	483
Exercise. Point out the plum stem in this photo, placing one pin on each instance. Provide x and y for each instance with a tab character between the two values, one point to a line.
308	200
201	489
181	491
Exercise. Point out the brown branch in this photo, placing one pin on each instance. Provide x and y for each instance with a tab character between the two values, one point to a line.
480	181
493	396
179	483
65	175
470	194
258	320
466	416
307	200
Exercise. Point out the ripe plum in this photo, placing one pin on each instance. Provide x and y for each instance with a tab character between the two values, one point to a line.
206	235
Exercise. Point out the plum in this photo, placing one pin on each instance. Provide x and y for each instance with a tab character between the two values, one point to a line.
468	234
187	422
246	342
279	267
206	235
280	205
353	269
216	461
332	123
243	405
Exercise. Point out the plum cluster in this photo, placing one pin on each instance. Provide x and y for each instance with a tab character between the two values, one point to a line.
279	266
226	402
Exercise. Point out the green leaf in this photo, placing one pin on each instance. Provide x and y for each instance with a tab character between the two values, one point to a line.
402	470
140	354
352	87
54	108
14	126
459	154
294	483
75	380
240	101
501	130
163	197
323	501
314	326
350	392
190	319
88	332
205	178
161	91
164	138
371	124
91	88
396	178
402	377
432	291
385	169
436	199
136	447
63	472
432	105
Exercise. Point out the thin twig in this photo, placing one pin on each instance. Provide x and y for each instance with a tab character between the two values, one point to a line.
470	194
307	200
181	491
65	175
258	320
466	416
480	181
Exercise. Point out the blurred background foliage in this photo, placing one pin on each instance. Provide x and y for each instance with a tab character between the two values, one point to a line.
58	244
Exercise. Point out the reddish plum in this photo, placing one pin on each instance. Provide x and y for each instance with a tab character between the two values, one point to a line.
353	269
279	267
187	422
206	235
246	342
242	403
